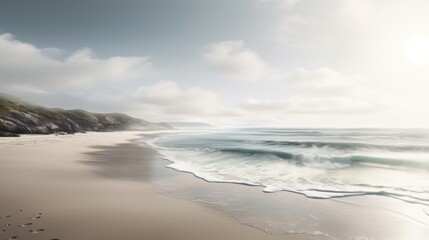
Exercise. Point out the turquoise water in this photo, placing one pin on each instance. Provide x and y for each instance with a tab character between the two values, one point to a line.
318	163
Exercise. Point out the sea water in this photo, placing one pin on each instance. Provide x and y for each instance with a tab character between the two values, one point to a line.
315	163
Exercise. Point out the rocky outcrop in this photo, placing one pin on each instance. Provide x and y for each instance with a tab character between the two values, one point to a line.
19	117
8	134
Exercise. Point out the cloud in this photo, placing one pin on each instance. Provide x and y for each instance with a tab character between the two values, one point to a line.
235	60
324	90
326	23
320	90
122	84
287	4
25	66
320	82
310	105
168	99
117	84
357	9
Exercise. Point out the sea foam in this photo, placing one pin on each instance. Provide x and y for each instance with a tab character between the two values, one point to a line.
317	163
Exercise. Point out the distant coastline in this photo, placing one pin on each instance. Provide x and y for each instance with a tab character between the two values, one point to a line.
20	117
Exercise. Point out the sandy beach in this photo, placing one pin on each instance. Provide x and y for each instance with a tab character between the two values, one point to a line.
116	186
93	186
214	120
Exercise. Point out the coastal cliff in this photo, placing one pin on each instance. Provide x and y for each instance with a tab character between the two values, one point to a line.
20	117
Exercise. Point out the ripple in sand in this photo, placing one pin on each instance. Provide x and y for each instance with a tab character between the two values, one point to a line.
3	230
37	231
26	224
19	210
7	224
7	216
12	238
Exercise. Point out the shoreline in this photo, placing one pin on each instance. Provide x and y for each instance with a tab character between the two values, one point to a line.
69	180
116	185
294	214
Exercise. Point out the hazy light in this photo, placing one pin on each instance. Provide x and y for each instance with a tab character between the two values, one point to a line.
417	50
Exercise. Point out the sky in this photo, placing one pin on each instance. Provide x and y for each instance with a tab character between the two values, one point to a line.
292	63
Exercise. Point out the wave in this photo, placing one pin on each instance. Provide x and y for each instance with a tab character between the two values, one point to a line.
345	145
405	195
303	159
329	192
317	168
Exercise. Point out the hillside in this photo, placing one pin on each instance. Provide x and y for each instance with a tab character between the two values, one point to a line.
20	117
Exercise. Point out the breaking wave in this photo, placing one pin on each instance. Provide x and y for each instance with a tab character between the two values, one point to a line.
315	163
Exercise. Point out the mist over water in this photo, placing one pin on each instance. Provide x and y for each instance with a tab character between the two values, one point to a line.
318	163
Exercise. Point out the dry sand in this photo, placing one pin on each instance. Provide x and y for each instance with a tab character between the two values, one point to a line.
49	189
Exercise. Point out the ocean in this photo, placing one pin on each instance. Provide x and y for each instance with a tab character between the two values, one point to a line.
315	163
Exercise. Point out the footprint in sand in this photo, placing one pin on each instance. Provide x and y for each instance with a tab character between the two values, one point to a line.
7	224
12	238
37	216
37	231
19	210
26	224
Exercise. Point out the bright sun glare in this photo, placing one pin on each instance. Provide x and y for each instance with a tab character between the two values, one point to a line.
417	50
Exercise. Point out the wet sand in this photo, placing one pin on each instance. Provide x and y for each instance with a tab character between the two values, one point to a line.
98	186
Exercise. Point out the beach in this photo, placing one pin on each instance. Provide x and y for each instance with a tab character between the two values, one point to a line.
97	186
214	120
117	186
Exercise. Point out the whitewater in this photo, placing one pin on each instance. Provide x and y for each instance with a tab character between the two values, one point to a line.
317	163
